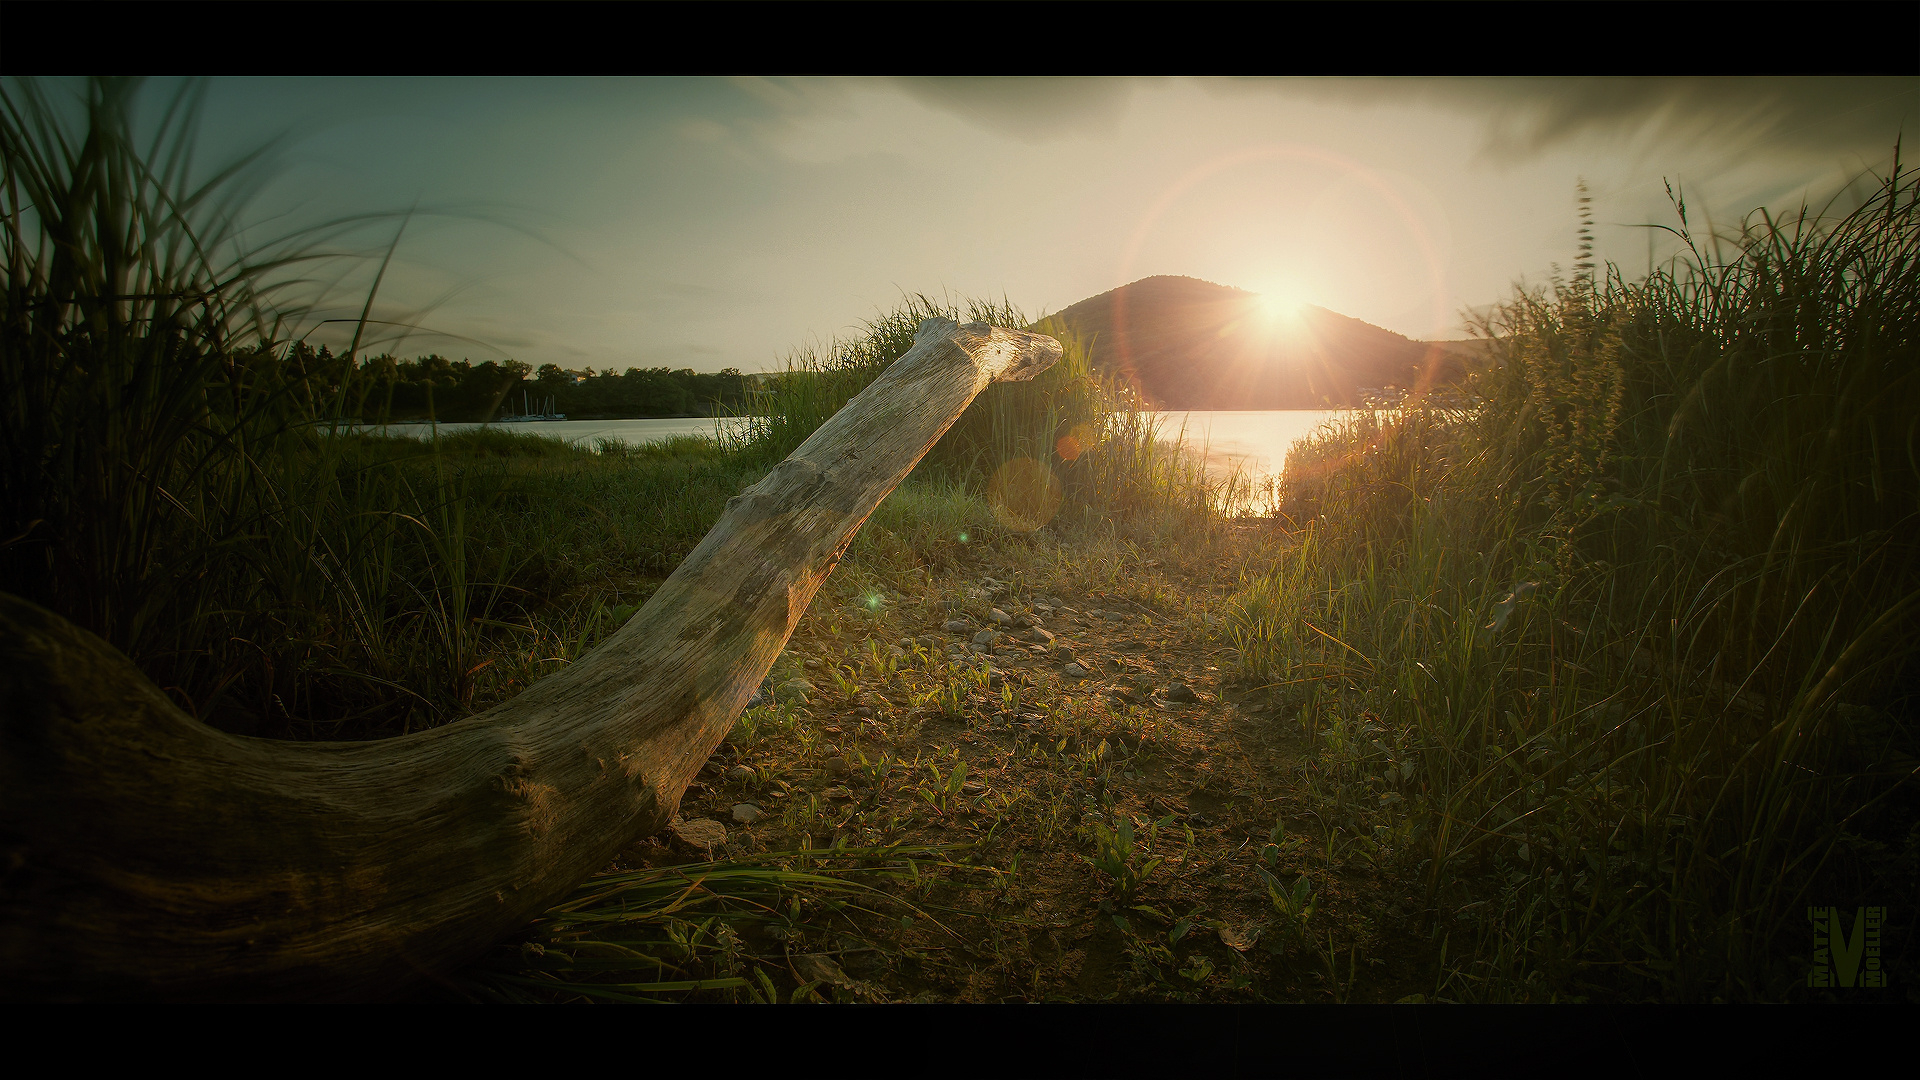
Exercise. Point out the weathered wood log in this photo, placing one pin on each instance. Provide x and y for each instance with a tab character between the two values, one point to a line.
146	855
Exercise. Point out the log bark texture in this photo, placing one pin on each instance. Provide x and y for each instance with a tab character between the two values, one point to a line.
146	855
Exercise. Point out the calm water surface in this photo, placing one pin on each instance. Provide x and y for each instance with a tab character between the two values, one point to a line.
1255	444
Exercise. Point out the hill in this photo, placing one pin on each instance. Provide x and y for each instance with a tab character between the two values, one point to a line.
1190	344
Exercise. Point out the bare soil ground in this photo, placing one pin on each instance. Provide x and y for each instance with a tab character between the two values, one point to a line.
1027	777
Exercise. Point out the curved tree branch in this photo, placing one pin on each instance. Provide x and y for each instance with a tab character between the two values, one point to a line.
143	854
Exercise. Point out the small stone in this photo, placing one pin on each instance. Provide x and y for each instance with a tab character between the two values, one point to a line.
1237	938
985	637
794	691
700	834
864	712
813	968
742	774
1062	654
759	698
746	813
999	616
957	626
837	766
1075	671
981	650
972	787
838	792
896	652
1039	636
927	641
1181	694
812	663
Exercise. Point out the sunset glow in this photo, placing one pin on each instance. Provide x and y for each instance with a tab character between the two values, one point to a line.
738	216
1278	306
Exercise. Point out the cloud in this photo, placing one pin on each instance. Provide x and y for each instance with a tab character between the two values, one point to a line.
1526	116
1032	109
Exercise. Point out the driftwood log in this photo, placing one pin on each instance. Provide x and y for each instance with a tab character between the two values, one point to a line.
146	855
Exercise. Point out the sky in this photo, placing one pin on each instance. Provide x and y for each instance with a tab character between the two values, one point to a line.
708	223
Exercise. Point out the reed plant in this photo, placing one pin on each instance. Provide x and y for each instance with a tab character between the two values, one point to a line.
1070	445
1637	626
180	479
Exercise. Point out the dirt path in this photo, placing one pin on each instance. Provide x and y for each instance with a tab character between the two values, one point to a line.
1135	821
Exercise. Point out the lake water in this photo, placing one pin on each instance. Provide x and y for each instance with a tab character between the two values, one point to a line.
1252	443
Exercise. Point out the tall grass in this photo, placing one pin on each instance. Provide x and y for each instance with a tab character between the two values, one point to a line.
135	388
1635	632
1068	442
175	479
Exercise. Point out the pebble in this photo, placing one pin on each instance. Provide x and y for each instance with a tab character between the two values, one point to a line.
864	712
837	766
742	774
1181	694
999	616
812	663
1062	653
815	968
1237	938
794	690
1074	671
838	793
896	652
1039	636
985	637
701	834
746	813
957	626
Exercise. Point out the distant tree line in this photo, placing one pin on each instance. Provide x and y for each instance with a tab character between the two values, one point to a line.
385	388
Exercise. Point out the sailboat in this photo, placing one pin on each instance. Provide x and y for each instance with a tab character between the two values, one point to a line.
527	415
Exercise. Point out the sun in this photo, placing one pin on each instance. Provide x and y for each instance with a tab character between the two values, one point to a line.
1280	305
